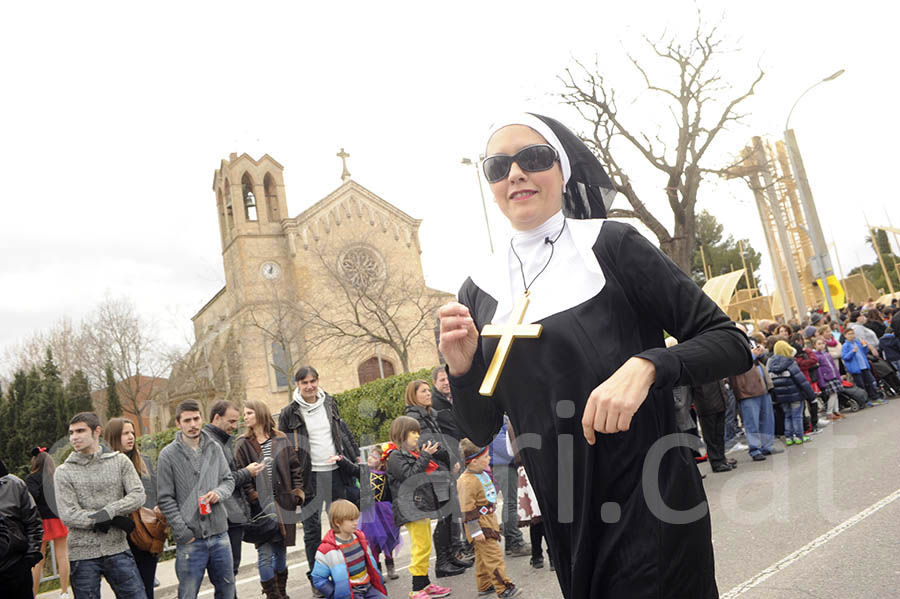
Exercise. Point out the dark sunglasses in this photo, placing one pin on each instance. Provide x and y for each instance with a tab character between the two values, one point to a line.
533	159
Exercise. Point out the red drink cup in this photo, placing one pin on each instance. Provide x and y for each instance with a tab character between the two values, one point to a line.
205	508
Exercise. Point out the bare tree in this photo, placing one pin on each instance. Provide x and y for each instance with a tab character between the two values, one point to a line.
282	323
210	370
695	100
64	339
365	303
117	335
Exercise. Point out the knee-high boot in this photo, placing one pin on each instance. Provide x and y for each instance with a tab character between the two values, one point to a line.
281	577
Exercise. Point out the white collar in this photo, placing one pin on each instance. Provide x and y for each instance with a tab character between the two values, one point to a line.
572	277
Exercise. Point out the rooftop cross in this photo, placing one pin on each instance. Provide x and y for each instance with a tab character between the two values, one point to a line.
345	175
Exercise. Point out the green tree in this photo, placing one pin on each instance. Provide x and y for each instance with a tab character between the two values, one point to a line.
78	394
113	406
873	270
40	422
53	394
12	443
722	255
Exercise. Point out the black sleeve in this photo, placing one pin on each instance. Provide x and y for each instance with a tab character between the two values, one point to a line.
349	468
4	537
34	528
283	422
35	487
402	466
351	448
709	346
479	418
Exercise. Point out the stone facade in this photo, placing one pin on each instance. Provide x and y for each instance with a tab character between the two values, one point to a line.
294	284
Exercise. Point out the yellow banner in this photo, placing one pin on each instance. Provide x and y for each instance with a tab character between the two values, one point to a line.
837	292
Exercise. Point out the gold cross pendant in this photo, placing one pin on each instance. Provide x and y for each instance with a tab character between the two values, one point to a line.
507	333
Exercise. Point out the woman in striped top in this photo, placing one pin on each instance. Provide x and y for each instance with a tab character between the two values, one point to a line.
278	491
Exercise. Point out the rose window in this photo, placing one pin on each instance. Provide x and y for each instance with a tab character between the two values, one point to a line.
361	267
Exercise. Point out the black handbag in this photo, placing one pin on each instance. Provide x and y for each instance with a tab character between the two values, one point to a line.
263	527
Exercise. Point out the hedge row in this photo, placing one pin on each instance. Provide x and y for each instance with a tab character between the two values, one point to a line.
370	409
151	445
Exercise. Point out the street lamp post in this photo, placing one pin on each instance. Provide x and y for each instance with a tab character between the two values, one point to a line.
470	162
821	261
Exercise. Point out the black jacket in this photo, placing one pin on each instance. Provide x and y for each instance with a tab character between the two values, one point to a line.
790	384
443	409
877	327
235	506
430	430
292	424
4	538
411	488
43	493
18	510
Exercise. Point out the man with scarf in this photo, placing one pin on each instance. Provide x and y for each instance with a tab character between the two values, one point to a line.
315	430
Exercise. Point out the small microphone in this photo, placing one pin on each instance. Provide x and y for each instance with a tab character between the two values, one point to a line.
548	241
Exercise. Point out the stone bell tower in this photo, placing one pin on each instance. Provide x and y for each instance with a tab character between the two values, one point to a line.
251	203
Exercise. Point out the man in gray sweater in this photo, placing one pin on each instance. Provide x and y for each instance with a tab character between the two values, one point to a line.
95	494
193	480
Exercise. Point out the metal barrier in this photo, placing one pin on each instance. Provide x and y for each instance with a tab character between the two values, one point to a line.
51	555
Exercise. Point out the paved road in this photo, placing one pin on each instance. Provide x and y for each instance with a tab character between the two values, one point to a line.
821	520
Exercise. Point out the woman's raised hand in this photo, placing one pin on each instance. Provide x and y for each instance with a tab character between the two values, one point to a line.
459	337
430	447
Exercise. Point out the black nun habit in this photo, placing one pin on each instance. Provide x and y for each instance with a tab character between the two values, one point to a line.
606	295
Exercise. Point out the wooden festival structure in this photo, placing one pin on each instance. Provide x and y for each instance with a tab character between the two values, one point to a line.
768	171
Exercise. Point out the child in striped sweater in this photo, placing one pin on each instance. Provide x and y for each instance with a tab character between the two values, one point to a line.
344	566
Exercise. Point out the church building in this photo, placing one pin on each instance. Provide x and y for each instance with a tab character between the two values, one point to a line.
339	287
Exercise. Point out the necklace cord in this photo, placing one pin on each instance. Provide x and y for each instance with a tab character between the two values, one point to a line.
547	240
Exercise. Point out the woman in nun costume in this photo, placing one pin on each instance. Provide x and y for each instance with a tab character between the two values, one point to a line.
562	329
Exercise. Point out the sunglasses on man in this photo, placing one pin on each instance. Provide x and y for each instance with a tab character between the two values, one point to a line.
533	159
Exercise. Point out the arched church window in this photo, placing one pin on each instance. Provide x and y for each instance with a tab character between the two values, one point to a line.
248	197
361	266
373	369
271	199
281	364
229	209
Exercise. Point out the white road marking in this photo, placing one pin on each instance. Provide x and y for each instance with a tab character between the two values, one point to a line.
809	547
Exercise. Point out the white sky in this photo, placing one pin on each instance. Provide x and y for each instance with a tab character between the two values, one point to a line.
115	116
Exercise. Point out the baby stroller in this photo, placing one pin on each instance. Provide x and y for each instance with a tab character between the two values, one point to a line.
852	397
885	376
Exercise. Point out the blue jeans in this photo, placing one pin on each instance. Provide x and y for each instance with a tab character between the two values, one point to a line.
759	423
271	558
793	420
865	380
212	555
896	364
507	477
367	591
120	571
